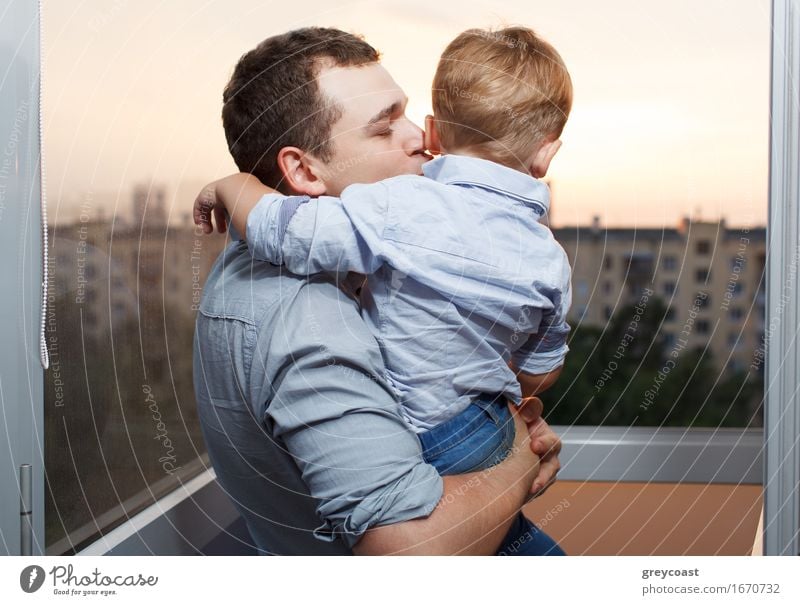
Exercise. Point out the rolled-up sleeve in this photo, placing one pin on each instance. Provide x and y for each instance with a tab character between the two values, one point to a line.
321	374
267	223
545	350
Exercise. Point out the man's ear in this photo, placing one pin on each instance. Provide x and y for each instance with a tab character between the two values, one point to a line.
432	136
543	156
302	173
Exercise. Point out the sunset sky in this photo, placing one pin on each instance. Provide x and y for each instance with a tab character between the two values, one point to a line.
670	117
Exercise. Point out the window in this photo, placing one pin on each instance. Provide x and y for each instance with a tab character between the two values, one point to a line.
737	313
701	276
703	300
144	318
669	288
608	311
703	247
702	326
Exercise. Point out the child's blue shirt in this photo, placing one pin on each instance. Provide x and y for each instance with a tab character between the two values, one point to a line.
462	276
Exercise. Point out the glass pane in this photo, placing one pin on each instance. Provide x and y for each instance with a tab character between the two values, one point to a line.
127	268
669	120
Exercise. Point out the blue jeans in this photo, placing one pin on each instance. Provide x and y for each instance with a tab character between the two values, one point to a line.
476	439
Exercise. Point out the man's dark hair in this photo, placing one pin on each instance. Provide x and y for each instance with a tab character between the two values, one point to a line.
273	99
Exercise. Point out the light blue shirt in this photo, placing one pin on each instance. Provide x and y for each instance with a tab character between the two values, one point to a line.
462	276
303	431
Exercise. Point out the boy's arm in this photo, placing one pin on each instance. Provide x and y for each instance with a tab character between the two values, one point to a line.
238	194
534	384
312	235
307	235
540	359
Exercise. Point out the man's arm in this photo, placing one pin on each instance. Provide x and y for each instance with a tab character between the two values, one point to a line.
474	513
335	413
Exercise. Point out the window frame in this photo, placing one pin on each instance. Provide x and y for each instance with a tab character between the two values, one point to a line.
633	450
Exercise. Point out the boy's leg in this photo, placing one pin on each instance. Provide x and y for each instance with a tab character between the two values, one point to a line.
476	439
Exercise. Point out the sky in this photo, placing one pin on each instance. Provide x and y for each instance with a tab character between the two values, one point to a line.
670	115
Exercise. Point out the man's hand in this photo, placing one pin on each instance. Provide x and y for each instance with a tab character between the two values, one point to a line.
544	443
547	445
530	408
207	204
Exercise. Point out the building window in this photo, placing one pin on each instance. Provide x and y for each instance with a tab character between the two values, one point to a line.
703	327
670	315
669	263
607	264
737	289
738	263
582	289
703	300
737	313
669	339
733	340
704	246
607	287
608	311
669	288
701	276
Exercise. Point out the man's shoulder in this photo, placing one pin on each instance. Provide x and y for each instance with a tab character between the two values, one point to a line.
242	288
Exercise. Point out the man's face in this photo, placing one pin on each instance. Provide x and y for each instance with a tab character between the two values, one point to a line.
373	139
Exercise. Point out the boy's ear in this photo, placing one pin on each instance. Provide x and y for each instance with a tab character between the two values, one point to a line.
432	136
543	156
302	172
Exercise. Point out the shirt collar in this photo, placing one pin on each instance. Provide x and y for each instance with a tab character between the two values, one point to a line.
504	181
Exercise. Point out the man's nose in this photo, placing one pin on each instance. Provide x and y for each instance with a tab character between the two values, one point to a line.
413	137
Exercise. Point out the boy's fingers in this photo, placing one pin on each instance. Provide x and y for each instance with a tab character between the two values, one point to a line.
203	206
219	216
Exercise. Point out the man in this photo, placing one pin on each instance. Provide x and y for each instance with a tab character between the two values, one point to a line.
300	425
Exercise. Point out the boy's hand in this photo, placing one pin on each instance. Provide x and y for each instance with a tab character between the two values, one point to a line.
237	194
207	203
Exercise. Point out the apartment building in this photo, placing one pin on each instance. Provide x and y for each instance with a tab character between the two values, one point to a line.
709	275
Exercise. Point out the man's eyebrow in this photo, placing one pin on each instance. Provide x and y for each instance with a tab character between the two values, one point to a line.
386	112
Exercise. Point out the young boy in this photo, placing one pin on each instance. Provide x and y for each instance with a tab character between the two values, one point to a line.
467	292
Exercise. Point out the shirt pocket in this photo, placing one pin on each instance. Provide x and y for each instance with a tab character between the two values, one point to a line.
224	357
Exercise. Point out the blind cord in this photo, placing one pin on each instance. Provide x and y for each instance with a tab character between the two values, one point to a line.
44	354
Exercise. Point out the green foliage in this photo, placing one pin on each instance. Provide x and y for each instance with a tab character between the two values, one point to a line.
621	375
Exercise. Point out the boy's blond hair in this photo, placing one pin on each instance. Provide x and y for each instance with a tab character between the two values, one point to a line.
498	94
